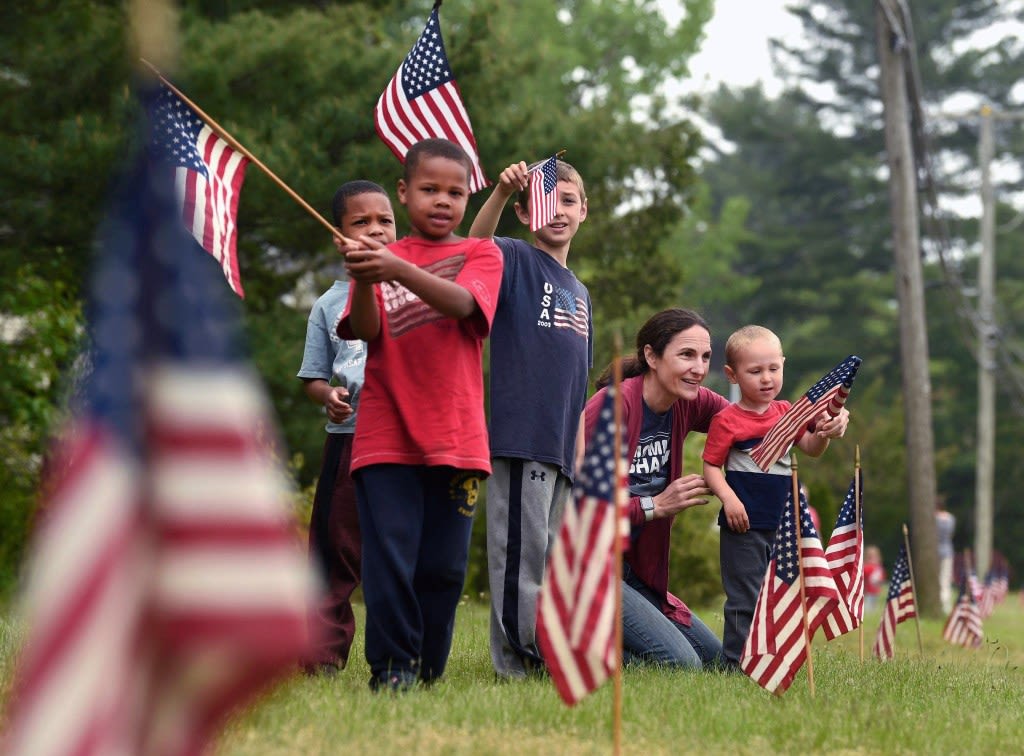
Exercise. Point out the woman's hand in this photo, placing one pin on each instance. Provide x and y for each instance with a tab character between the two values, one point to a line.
682	493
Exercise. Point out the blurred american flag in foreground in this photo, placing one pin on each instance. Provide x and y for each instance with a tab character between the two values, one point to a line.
166	585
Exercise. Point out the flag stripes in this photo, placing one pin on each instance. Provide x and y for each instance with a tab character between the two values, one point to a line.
899	606
576	611
422	101
827	396
777	647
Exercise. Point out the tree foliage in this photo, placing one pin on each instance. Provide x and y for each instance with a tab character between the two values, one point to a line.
810	164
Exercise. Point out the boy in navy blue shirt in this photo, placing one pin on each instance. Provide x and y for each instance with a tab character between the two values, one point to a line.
541	354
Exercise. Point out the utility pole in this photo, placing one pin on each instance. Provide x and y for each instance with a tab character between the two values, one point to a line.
987	338
893	40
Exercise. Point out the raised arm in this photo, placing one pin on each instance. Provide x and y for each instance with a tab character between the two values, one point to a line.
512	179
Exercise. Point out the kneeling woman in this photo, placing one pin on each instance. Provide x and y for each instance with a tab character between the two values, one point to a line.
662	401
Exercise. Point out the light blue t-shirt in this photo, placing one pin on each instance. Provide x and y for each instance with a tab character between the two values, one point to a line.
331	358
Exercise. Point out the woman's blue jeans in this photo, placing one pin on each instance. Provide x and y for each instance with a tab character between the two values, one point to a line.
648	636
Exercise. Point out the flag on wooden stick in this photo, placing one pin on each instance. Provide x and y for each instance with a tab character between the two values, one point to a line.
422	101
777	647
826	396
543	194
845	556
166	585
576	611
963	627
208	175
899	606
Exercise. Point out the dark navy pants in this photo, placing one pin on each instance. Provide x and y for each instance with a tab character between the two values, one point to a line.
416	523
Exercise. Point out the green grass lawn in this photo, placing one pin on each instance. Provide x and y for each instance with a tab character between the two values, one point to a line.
944	701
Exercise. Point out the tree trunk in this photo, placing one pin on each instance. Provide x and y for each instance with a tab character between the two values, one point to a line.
910	295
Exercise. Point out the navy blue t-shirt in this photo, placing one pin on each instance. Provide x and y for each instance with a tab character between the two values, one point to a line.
541	348
649	468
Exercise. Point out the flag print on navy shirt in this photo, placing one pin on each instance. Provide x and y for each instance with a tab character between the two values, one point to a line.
571	312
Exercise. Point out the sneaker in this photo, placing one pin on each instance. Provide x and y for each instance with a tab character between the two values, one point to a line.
394	682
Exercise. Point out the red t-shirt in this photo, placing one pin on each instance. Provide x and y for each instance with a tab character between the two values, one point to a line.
422	402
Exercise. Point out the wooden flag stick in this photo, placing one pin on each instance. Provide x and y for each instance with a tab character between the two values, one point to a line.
913	589
219	130
860	537
541	162
800	564
618	495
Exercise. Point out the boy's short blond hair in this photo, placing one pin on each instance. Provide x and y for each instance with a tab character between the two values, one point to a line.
744	336
566	172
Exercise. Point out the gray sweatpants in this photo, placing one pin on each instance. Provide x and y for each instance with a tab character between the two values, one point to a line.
525	501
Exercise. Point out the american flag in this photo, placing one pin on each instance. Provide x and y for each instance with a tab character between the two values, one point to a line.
845	555
543	193
166	585
422	101
898	607
776	647
208	175
963	627
571	312
576	612
827	395
995	588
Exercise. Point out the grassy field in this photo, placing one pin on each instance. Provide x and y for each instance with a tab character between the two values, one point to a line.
947	701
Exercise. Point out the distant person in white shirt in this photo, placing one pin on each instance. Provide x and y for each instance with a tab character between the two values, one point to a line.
945	524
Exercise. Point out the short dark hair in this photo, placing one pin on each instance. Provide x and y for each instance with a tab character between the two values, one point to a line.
350	189
444	148
657	332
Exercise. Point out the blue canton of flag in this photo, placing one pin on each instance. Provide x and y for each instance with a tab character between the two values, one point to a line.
833	388
208	176
543	203
571	312
422	101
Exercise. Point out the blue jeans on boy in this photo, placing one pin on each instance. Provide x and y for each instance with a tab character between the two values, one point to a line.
649	636
416	523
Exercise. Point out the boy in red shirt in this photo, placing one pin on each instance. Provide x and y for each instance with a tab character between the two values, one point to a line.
424	305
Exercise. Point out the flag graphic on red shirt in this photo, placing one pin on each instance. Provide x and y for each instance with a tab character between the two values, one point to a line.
845	556
776	647
576	611
898	607
422	101
208	175
826	396
166	585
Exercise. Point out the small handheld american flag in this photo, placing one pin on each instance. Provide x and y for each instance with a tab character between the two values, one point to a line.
827	395
543	193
